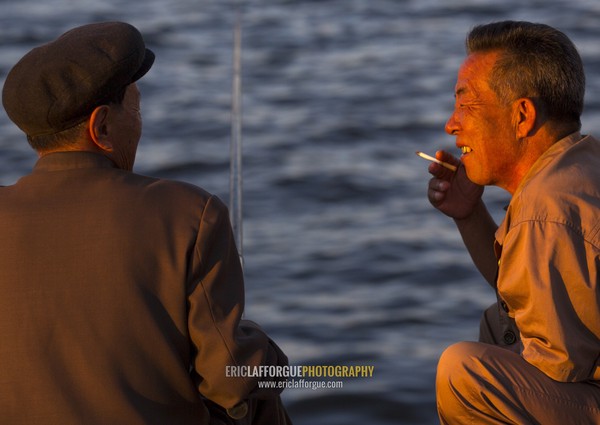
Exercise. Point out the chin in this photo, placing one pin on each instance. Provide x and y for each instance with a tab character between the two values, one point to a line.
476	178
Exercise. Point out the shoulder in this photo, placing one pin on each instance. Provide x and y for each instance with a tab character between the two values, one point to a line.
570	171
565	192
173	188
172	195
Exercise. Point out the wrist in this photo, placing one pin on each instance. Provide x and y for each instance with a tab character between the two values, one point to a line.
478	208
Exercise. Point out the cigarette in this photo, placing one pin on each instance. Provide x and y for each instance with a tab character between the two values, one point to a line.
437	161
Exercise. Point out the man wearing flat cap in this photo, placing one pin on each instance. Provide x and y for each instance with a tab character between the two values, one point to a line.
120	295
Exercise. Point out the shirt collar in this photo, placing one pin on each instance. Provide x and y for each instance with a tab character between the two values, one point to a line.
543	161
548	156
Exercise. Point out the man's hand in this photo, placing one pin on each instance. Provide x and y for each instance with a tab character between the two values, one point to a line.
452	192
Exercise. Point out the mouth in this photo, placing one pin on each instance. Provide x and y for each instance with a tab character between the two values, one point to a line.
465	150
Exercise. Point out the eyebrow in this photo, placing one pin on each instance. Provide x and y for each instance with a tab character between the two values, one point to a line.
460	90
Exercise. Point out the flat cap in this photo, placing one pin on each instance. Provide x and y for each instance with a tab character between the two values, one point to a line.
57	85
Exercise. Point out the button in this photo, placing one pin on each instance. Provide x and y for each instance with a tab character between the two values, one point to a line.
509	337
238	411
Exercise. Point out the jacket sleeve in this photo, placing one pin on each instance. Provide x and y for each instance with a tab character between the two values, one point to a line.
220	337
548	277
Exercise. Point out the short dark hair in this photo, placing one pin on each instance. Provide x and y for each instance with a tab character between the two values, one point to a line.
70	135
538	62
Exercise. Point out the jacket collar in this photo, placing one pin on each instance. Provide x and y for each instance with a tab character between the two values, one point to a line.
59	161
543	161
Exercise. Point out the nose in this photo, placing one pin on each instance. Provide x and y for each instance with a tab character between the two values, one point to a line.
452	125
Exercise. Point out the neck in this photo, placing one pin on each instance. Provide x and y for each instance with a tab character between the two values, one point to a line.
78	145
532	148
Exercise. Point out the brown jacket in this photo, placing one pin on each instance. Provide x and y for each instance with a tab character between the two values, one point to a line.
120	299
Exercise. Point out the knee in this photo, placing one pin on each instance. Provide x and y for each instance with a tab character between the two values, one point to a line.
456	359
456	376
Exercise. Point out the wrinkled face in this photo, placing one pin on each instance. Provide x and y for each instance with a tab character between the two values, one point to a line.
127	128
484	127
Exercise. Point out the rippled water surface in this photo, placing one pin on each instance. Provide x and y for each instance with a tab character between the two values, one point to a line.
346	262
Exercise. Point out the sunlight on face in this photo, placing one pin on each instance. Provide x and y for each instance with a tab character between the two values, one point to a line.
482	124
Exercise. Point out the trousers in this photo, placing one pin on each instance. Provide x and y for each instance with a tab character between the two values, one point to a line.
488	382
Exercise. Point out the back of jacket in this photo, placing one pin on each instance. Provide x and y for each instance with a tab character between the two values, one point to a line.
120	299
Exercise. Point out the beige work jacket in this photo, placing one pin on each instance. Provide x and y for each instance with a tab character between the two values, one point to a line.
549	257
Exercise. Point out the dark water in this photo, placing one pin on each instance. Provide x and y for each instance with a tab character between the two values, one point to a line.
346	263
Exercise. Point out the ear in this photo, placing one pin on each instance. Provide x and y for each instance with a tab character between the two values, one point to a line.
99	125
525	117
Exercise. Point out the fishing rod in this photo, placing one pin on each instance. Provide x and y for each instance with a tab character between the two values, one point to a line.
235	163
235	150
